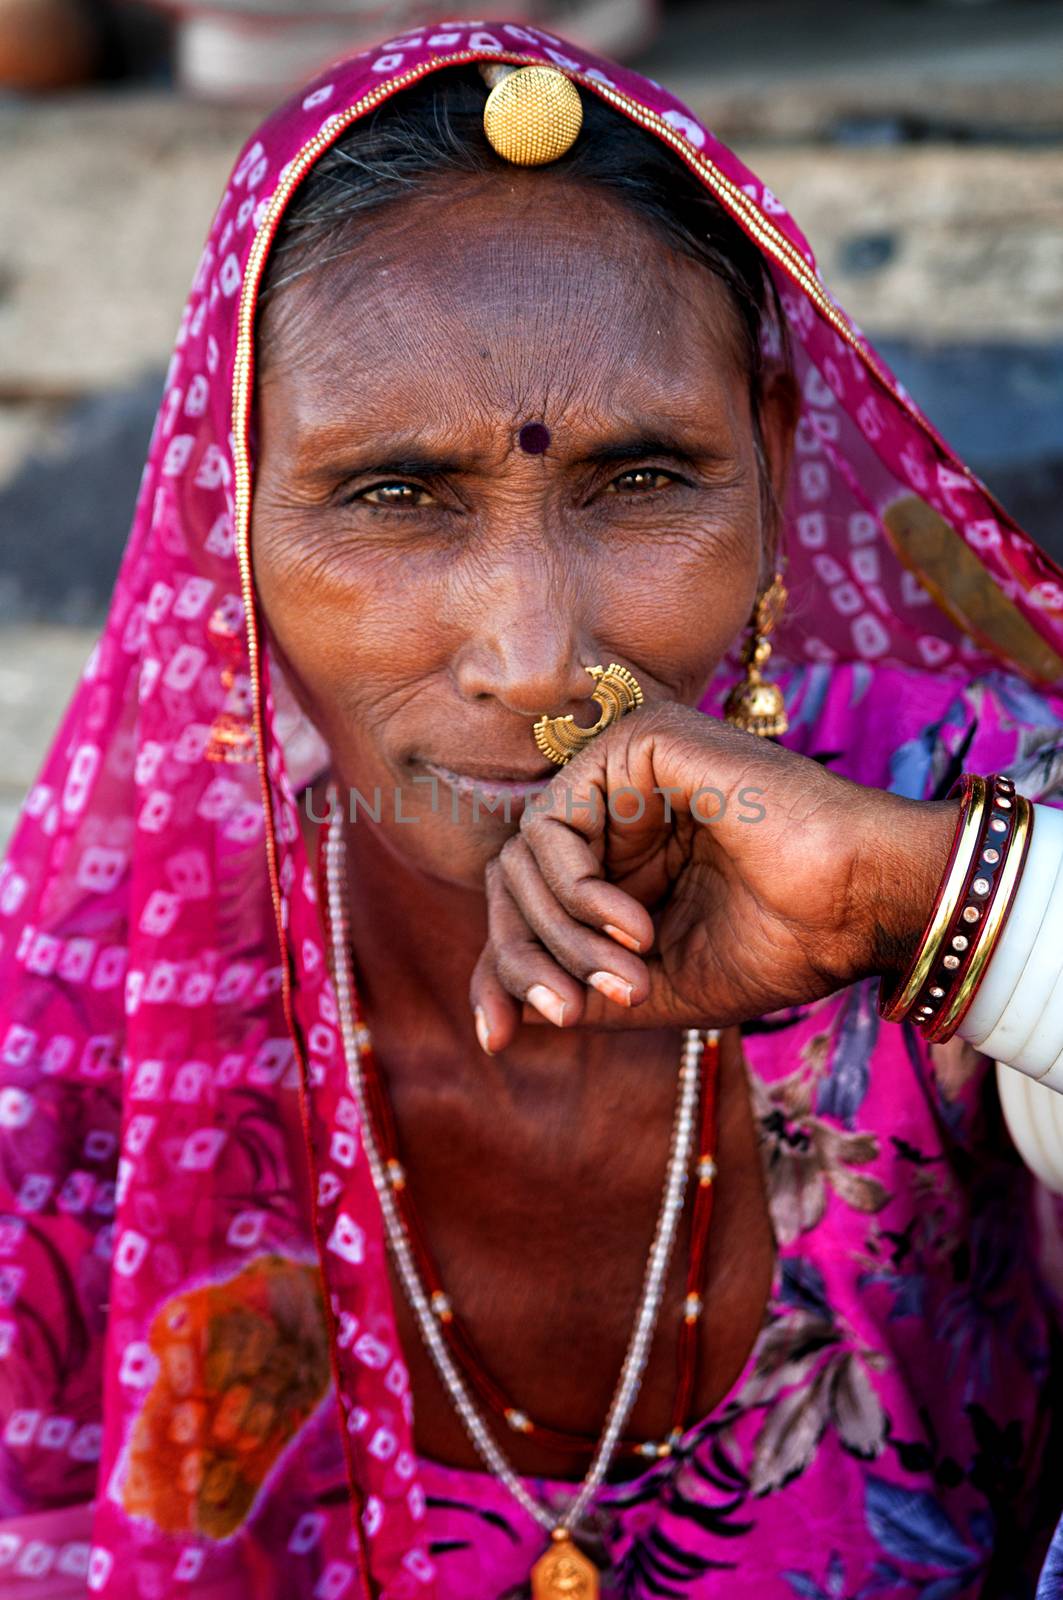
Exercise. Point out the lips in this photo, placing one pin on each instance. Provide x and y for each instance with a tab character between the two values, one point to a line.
492	783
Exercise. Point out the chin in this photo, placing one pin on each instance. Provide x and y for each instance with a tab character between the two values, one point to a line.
454	853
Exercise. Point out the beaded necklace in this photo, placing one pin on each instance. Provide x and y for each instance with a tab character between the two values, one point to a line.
462	1346
562	1569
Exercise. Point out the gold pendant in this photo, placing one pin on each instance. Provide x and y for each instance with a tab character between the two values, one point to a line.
616	690
563	1572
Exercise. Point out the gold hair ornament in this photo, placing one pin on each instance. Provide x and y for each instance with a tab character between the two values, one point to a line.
533	115
616	690
752	704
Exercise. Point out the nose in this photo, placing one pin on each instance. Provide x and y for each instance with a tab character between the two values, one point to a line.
528	646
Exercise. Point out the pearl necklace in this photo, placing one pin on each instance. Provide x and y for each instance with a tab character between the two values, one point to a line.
563	1564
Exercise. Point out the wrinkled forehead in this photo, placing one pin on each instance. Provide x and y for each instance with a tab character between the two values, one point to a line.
533	295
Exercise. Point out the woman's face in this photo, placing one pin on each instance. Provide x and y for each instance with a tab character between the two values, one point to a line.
432	586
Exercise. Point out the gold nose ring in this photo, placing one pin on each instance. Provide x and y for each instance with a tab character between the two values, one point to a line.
616	690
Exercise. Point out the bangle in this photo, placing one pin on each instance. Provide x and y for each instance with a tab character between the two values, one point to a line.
991	1024
896	1005
1003	875
1035	1121
970	911
1041	1050
1035	985
1053	1078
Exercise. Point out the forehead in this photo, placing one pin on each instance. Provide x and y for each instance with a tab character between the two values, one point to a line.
521	293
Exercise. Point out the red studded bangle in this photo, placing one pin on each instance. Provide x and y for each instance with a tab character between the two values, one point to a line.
970	909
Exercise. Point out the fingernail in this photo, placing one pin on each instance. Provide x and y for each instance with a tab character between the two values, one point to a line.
550	1004
483	1032
612	987
621	937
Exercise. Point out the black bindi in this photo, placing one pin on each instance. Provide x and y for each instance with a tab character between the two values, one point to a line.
534	438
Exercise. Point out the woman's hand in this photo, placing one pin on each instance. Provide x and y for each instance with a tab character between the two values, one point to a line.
679	872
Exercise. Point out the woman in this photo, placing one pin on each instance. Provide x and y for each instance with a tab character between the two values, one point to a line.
443	431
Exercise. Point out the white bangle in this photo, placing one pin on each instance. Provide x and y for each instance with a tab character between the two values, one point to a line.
1041	1057
1052	1077
1033	992
1028	1035
1001	1015
1035	1121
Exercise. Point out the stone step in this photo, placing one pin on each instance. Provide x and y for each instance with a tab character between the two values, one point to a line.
105	201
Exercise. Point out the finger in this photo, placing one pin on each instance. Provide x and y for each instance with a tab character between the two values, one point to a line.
521	965
614	972
662	1008
573	874
496	1013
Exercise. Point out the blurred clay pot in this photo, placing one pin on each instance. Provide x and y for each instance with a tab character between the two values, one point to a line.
45	44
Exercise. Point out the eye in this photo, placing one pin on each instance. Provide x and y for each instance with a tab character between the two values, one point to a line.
642	480
395	496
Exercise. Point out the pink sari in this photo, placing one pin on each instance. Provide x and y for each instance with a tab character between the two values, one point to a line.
203	1389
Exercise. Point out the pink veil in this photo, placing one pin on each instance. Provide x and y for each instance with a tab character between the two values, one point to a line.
180	1154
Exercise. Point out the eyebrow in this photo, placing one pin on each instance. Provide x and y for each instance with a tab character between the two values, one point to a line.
422	466
636	446
416	462
412	465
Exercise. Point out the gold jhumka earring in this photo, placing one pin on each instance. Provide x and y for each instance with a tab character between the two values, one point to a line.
616	690
752	704
533	115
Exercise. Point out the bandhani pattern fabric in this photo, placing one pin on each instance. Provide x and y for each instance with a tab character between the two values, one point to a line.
203	1390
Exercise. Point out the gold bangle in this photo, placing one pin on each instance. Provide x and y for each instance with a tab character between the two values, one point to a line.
896	1008
946	1024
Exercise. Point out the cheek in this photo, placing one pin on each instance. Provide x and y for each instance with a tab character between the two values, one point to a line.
355	624
678	603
